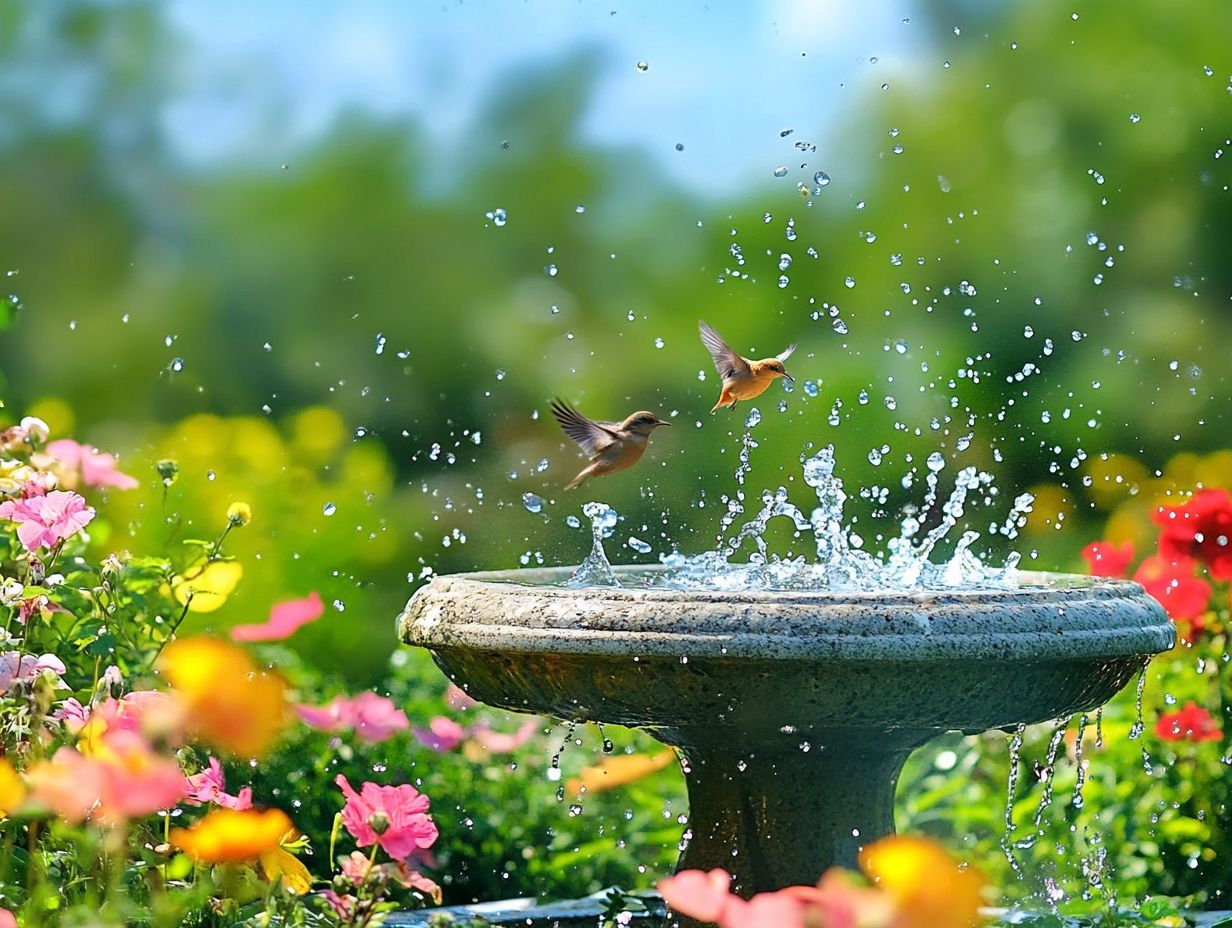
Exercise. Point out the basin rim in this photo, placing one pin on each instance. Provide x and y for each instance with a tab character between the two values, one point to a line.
1050	616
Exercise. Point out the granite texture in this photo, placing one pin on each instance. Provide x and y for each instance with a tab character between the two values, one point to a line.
792	712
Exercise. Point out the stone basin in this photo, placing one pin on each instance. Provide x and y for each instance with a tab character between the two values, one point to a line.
792	712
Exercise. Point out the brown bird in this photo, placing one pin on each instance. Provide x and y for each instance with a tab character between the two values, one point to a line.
612	446
742	378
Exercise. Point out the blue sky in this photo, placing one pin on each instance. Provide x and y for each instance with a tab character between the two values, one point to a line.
723	78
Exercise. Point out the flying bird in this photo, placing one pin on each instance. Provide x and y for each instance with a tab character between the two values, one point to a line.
743	378
611	446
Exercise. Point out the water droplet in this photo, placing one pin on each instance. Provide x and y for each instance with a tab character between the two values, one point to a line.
780	171
643	66
329	509
551	270
821	179
176	365
380	344
532	502
641	547
849	281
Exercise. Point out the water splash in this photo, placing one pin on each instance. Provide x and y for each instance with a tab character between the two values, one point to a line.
596	570
840	562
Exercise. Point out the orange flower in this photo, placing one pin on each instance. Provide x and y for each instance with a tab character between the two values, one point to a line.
232	704
929	887
618	771
226	836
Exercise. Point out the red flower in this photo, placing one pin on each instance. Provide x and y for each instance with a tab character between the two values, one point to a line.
1174	585
1200	527
1105	559
1193	723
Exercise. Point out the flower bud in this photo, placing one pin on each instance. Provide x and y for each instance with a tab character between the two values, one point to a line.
239	514
168	470
379	822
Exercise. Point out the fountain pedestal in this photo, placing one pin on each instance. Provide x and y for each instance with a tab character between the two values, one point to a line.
793	711
821	794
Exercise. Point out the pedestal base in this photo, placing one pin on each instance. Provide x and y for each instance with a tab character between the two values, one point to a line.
785	812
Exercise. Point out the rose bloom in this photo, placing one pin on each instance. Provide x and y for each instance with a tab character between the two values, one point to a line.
44	521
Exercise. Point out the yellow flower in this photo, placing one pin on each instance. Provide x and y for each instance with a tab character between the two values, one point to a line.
231	703
206	587
227	836
280	864
239	514
930	888
12	789
618	771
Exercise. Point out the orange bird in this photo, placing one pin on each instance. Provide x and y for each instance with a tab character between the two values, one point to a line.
742	378
612	446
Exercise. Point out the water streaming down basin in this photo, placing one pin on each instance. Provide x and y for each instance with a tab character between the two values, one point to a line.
793	689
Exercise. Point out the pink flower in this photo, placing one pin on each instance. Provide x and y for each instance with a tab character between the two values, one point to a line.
43	521
98	469
121	779
73	714
16	667
442	735
413	879
395	817
135	781
152	713
284	620
7	919
209	786
343	906
698	894
356	867
374	718
497	742
457	699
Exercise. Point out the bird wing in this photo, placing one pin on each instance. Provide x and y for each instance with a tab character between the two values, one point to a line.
787	352
591	436
726	361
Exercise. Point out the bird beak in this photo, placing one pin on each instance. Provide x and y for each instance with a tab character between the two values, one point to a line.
789	377
661	422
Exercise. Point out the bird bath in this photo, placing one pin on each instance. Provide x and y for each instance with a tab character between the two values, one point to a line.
792	712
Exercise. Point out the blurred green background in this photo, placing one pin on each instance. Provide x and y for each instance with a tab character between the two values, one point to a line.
265	243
